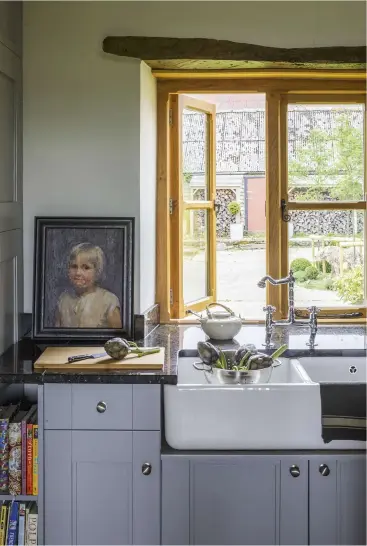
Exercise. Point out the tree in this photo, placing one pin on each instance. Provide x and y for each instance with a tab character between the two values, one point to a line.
349	160
312	166
331	164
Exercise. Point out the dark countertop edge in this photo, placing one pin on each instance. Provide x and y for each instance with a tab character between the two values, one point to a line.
93	378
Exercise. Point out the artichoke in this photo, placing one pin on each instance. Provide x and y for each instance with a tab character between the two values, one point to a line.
244	351
209	354
118	348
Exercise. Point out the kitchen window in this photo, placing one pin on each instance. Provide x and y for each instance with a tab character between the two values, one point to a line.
314	185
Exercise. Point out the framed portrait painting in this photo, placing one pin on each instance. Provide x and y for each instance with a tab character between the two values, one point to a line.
83	278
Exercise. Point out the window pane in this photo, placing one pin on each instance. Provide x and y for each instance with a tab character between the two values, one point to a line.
326	254
325	152
195	164
195	252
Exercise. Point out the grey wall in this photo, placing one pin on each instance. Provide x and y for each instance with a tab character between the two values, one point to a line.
148	177
11	260
84	148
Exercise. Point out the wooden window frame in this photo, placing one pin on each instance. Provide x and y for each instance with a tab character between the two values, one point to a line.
279	87
177	104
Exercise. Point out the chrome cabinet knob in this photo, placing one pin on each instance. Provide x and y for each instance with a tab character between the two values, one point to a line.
146	469
101	407
324	470
294	471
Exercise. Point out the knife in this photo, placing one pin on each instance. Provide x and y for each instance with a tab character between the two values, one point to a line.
76	358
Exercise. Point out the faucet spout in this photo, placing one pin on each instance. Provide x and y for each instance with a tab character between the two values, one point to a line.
275	282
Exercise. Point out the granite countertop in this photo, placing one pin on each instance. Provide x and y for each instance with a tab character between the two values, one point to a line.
16	364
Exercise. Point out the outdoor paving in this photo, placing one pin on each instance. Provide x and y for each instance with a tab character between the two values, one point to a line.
238	272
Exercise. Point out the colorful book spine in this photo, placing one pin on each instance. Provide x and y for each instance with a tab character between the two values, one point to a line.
32	524
29	459
21	525
35	460
26	523
27	419
24	457
13	524
3	523
15	458
4	455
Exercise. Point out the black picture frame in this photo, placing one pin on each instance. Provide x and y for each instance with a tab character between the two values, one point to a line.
42	308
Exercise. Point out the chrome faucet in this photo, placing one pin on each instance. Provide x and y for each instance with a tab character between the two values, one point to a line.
269	309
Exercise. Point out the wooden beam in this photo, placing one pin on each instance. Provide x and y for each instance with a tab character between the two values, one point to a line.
203	49
304	73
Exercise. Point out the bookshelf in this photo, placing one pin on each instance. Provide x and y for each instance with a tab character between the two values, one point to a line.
20	498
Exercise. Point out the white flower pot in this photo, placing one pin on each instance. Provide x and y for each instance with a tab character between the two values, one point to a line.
236	232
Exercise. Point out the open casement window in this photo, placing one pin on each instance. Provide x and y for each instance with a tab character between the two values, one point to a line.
192	212
322	179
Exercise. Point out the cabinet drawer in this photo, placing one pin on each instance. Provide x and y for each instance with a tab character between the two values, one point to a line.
101	407
122	407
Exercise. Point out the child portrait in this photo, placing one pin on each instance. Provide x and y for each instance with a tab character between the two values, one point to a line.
86	276
86	304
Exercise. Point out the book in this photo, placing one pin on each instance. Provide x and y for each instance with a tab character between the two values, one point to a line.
35	460
21	525
32	525
7	524
29	451
13	524
6	413
3	523
15	452
26	523
24	447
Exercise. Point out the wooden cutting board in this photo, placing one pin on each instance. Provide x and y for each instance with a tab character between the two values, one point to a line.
57	358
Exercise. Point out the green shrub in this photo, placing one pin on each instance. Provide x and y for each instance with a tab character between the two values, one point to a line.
350	286
300	276
319	266
300	264
329	284
234	208
311	272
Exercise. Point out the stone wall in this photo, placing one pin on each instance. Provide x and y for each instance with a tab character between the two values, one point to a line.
337	222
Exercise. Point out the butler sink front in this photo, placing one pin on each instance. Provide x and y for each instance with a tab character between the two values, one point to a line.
201	413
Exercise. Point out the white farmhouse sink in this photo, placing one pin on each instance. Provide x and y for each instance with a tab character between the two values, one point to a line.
284	413
200	413
340	369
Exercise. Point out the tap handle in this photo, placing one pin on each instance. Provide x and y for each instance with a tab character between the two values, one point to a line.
269	308
313	310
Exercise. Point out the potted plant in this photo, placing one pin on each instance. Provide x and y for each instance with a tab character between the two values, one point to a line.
236	228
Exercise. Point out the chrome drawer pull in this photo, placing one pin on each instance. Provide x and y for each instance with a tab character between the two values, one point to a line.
101	407
146	469
324	469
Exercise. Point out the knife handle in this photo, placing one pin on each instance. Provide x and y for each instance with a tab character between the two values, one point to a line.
78	357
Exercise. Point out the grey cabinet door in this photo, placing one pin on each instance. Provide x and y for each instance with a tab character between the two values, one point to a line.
323	500
95	490
102	487
57	487
146	487
293	513
233	500
338	499
352	499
